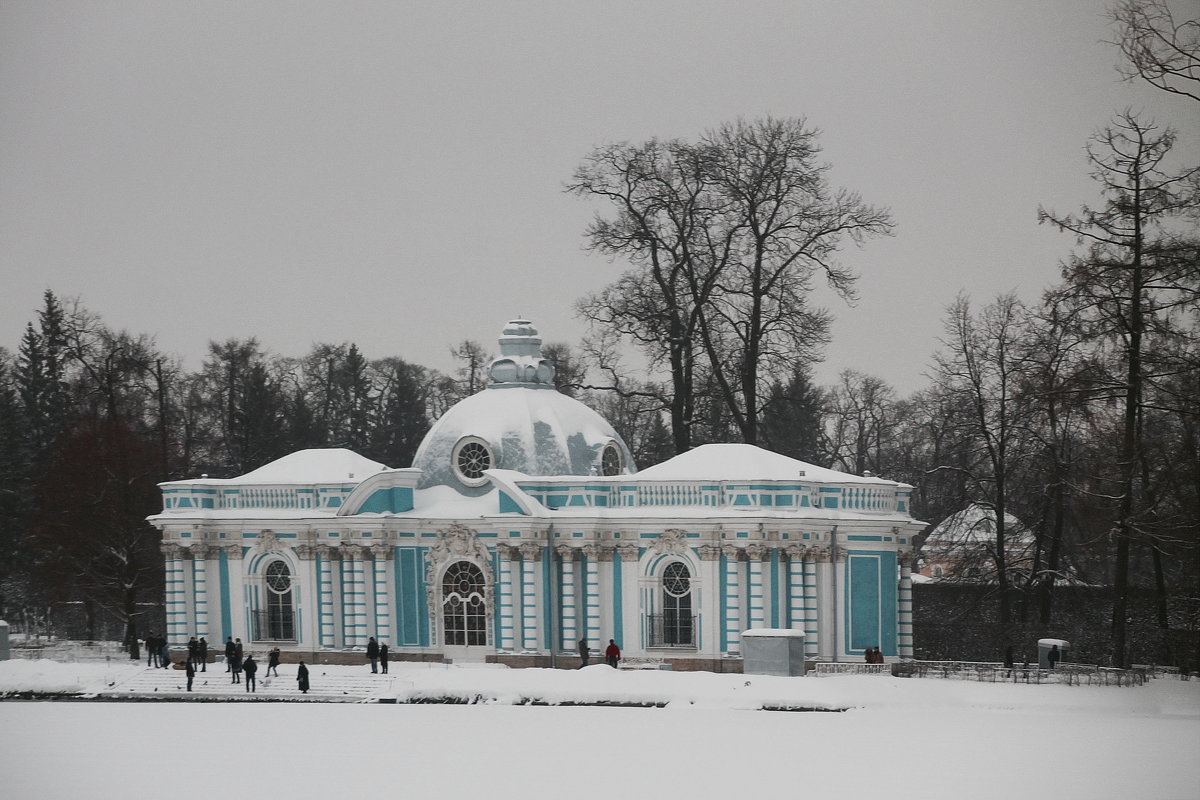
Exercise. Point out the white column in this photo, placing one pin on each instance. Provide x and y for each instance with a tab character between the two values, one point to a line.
711	620
176	600
238	605
354	596
797	618
591	595
827	604
326	629
570	635
383	608
757	612
200	553
308	604
631	610
531	554
812	642
733	601
504	597
904	640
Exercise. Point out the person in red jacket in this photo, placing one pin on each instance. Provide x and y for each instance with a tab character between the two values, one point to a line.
612	654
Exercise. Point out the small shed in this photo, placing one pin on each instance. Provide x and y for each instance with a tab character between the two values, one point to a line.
1046	647
773	651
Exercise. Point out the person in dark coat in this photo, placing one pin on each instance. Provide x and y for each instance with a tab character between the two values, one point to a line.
202	653
164	654
191	674
229	654
250	668
237	661
612	654
302	678
193	650
1053	656
151	650
273	662
383	655
583	653
373	654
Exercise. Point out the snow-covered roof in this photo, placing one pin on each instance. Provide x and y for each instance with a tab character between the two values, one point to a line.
744	462
976	524
313	466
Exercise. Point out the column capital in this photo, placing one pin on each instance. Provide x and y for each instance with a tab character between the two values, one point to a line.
709	552
381	551
628	553
305	552
200	552
352	551
757	552
170	549
567	553
591	552
604	552
732	552
531	551
323	550
233	551
795	552
507	552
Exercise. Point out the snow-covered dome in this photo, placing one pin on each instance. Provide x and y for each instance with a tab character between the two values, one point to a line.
519	422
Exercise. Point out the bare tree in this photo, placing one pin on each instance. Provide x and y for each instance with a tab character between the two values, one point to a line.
1160	51
726	236
1129	286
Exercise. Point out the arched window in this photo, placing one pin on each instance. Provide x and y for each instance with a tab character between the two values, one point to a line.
280	622
464	611
677	606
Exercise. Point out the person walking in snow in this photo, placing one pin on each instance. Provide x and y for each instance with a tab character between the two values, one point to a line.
612	654
237	662
202	653
273	662
383	656
151	650
164	654
191	674
302	678
250	668
1053	656
583	653
229	653
373	654
193	650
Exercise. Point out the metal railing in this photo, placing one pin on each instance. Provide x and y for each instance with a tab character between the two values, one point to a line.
672	630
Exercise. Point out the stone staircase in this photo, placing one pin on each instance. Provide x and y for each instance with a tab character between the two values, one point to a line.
327	684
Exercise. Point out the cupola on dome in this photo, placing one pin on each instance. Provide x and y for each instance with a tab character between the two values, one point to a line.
519	422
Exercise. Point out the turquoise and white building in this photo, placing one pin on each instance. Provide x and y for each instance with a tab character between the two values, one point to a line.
522	527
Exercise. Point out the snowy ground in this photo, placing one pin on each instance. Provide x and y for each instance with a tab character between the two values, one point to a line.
901	738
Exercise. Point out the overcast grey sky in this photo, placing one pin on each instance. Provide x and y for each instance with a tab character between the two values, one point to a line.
391	173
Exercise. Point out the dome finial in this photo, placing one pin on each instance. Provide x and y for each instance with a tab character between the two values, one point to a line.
520	360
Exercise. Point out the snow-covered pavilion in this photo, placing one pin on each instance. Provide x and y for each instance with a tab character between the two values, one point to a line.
522	527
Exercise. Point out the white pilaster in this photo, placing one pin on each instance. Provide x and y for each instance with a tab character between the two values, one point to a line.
530	556
757	612
381	571
570	632
200	554
354	595
325	596
176	610
504	597
591	594
904	640
733	601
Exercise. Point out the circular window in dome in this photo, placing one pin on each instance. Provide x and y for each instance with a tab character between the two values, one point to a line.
611	462
471	457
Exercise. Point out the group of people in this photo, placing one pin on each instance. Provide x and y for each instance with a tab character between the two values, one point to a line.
236	665
377	654
158	653
612	653
874	655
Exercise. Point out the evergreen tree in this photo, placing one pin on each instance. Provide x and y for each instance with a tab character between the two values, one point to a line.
791	423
